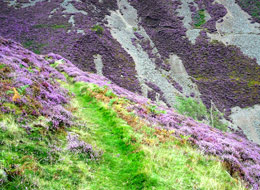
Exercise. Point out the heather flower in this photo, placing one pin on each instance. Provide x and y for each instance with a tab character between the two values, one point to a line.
36	92
27	128
79	146
24	81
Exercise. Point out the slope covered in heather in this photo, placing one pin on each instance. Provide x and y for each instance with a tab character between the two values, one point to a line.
207	49
63	128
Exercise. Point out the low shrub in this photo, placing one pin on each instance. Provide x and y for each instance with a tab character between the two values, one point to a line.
198	111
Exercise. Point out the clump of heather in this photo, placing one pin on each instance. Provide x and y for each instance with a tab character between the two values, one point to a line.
47	27
29	86
252	7
79	146
216	11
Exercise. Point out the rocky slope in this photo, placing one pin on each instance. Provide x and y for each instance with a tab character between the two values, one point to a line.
204	49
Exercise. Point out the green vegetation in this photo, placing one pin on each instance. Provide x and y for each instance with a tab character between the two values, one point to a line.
2	66
252	7
144	158
54	26
40	26
58	26
34	46
109	93
198	111
56	64
200	18
153	109
252	83
33	160
22	89
28	43
190	107
123	160
98	29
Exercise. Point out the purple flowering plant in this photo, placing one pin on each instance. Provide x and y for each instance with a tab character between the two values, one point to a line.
31	93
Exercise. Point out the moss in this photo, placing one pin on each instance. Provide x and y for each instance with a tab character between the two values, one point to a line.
54	26
40	26
200	18
252	83
200	77
98	29
34	46
58	26
27	44
235	78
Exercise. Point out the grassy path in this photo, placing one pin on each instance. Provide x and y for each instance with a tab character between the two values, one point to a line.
122	164
129	165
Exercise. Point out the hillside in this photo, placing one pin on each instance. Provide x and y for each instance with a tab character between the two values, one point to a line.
204	49
130	94
63	128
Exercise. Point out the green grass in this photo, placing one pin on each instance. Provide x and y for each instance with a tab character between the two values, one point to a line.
122	159
127	163
182	167
31	163
171	165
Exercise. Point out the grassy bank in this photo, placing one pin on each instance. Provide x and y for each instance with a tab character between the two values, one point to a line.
127	158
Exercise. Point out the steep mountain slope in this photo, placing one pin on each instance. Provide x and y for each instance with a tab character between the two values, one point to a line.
63	128
160	49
